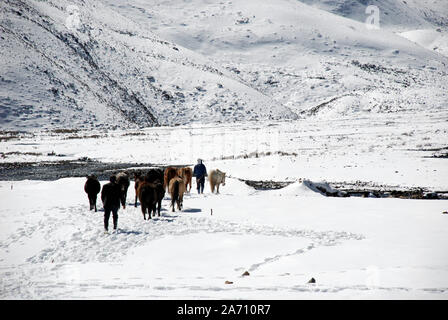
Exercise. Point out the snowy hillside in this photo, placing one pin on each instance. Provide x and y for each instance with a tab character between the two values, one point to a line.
317	63
422	21
95	68
395	15
107	64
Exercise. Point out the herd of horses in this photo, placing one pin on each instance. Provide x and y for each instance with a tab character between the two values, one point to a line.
150	188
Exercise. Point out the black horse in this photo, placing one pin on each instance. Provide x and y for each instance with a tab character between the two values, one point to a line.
123	181
154	175
92	187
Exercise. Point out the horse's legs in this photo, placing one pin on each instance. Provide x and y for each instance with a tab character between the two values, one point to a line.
159	207
125	196
143	210
154	209
122	199
217	188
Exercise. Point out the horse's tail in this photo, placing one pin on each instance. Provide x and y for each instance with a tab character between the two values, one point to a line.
175	192
165	180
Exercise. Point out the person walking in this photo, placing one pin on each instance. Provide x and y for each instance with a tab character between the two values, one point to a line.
200	172
111	195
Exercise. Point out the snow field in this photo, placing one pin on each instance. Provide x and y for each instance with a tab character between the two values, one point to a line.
353	247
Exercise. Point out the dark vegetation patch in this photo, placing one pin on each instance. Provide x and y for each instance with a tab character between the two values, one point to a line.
65	130
266	184
6	135
92	136
53	170
6	154
440	156
357	189
370	67
134	134
256	154
440	153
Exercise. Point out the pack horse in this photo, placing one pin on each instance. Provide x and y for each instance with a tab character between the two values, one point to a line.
216	177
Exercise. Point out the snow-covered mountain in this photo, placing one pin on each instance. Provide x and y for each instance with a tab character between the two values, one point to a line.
135	63
351	126
80	64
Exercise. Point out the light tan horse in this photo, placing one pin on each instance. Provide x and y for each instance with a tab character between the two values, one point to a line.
186	174
216	177
177	189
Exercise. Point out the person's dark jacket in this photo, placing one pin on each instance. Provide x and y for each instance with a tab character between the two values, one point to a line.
110	195
199	171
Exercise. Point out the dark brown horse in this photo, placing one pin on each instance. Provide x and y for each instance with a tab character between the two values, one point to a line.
147	195
186	174
170	173
156	176
92	187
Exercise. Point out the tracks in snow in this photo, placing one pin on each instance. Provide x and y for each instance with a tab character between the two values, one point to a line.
76	235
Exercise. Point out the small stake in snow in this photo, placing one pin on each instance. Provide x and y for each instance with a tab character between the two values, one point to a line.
211	212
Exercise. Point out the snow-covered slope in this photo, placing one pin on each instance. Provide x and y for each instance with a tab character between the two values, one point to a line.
422	21
316	62
393	14
80	64
141	63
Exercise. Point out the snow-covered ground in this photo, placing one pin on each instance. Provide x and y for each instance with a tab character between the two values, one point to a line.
382	149
52	247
